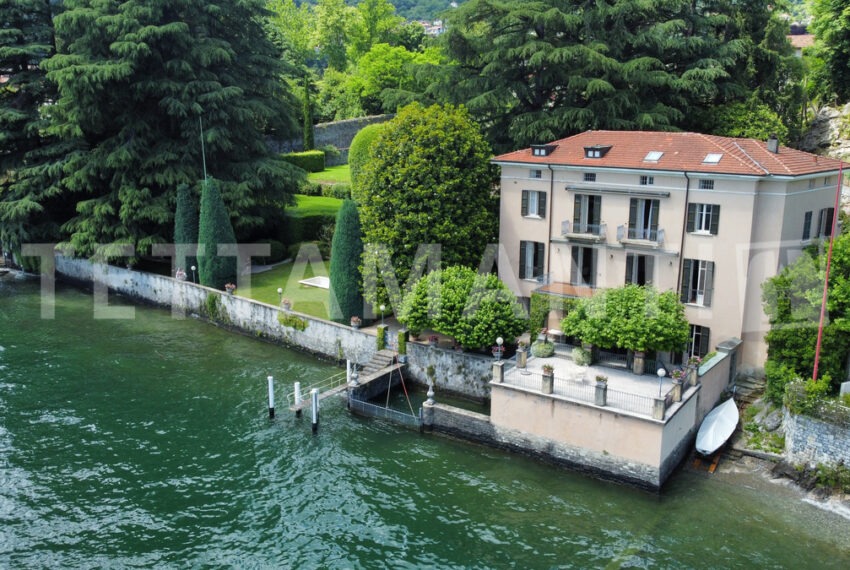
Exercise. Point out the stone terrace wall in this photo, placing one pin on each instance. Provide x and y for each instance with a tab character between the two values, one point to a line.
811	441
337	133
248	316
458	372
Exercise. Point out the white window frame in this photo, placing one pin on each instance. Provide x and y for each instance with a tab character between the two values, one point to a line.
646	180
706	184
702	223
589	177
535	173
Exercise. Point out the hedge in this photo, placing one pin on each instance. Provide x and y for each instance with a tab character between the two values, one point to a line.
310	160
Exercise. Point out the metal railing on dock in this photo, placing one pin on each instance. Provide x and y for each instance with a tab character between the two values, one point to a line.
324	386
375	411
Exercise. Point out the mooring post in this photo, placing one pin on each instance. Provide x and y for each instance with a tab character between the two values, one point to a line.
314	395
298	399
271	397
347	371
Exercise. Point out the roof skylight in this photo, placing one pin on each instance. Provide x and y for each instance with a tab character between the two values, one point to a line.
713	158
653	156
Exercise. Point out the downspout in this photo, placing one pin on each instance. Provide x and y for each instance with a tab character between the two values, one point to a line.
684	231
551	215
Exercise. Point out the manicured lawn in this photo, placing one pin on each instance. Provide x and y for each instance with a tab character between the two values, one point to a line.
309	300
314	206
331	175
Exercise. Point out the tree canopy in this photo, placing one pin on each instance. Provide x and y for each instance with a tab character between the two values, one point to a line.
428	181
473	308
214	229
831	25
635	317
139	83
538	71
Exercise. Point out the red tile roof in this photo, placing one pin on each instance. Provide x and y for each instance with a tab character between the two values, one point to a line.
682	152
801	41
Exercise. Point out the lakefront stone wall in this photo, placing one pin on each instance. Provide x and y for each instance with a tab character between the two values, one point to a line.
811	441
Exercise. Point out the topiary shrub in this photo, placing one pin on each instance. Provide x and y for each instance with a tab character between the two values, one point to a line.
309	160
340	190
308	188
346	299
582	357
358	152
215	228
185	227
542	348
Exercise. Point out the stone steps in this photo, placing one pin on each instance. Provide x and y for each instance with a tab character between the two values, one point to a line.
749	389
381	359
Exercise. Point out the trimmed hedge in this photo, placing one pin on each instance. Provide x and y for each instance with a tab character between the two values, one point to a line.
310	160
306	228
339	190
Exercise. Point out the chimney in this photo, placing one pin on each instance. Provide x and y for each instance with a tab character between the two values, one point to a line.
773	144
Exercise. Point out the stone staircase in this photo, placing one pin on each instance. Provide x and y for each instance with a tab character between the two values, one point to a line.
381	360
749	389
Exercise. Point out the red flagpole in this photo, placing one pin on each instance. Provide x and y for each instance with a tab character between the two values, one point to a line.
826	276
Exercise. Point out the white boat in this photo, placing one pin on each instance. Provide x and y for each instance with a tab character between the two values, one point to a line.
717	427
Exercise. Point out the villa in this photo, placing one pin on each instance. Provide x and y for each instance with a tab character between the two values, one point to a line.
707	216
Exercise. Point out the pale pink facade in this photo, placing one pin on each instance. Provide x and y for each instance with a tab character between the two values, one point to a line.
709	217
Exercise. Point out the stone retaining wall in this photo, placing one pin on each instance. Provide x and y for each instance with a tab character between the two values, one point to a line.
458	372
810	441
337	133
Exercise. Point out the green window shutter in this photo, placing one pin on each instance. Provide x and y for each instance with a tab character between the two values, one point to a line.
522	260
595	210
685	292
539	255
704	340
633	205
715	219
592	277
575	277
576	212
525	202
807	225
692	218
655	206
541	204
709	283
650	267
630	259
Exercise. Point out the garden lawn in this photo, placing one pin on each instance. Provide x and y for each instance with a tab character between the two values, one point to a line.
331	175
314	206
308	300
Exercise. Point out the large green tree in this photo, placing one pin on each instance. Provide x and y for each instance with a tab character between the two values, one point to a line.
32	205
428	181
792	301
346	299
538	71
142	82
831	26
473	308
373	22
634	317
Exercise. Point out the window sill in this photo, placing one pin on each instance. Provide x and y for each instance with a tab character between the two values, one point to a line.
702	233
532	217
697	305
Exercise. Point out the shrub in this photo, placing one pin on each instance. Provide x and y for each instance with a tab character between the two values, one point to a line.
185	227
778	377
331	152
309	160
542	348
359	151
582	356
340	190
308	188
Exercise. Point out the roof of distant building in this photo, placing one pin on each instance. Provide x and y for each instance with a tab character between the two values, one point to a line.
800	41
675	151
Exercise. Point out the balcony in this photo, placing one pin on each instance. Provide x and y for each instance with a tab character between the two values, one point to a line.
640	236
593	233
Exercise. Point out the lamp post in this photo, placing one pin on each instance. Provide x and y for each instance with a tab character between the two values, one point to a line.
383	308
661	374
193	274
499	342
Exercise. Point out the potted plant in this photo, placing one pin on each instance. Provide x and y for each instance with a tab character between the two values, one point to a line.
678	375
286	304
230	288
601	379
548	369
497	350
355	322
433	340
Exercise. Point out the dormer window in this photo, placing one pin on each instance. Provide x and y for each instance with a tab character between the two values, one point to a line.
596	151
542	149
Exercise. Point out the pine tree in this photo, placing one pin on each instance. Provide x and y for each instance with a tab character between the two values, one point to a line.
346	299
214	229
31	201
140	81
186	227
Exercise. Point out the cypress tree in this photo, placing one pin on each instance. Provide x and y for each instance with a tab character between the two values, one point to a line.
214	228
309	143
186	227
346	299
135	78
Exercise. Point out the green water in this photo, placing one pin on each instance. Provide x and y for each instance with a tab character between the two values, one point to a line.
146	443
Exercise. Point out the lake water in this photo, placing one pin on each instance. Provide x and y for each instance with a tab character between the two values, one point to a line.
146	443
